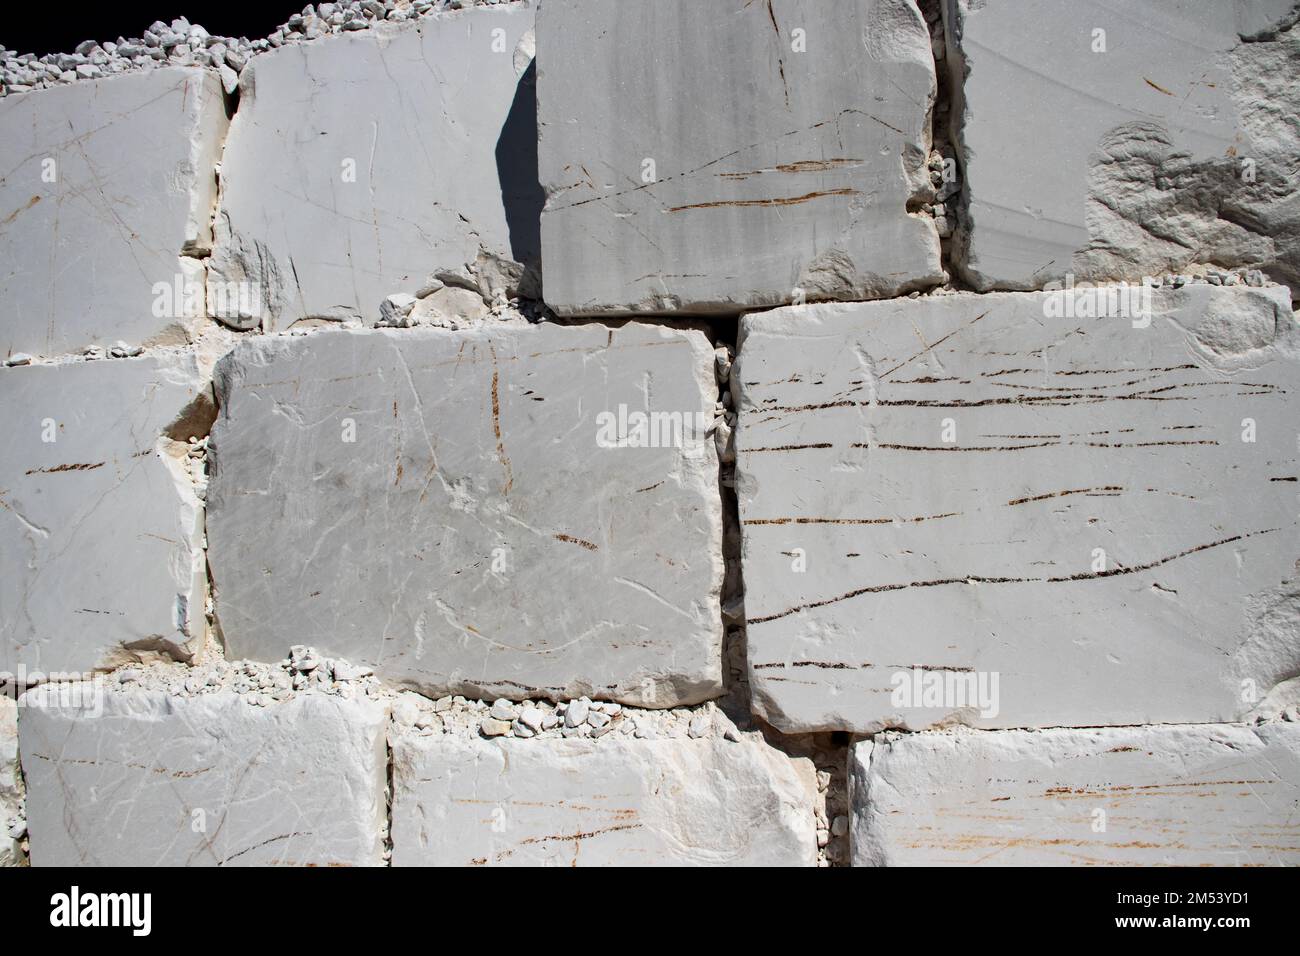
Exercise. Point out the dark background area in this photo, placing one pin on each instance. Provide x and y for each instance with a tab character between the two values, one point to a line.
58	27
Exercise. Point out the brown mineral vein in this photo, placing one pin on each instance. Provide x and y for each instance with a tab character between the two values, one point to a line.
14	215
578	541
824	444
983	579
58	468
778	201
849	521
930	346
496	425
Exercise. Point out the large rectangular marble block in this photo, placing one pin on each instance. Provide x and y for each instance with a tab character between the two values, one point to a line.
143	778
101	557
106	195
979	508
1125	140
708	157
454	510
624	802
1191	795
359	164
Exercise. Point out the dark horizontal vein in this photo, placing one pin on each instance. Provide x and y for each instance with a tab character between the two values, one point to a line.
980	579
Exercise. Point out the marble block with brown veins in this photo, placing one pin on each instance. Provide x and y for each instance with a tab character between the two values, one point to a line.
454	509
1192	795
106	194
709	157
101	530
610	802
986	509
143	778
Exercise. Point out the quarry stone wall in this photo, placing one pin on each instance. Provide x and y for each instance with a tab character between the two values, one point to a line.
654	433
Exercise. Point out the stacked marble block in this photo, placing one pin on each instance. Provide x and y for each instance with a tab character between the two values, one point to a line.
971	521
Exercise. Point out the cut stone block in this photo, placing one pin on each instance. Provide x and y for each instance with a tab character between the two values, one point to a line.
704	157
962	508
459	802
1122	141
101	557
451	509
11	797
361	163
1193	795
134	778
107	190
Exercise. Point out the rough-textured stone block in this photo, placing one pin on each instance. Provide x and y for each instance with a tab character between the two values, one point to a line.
159	780
445	508
101	555
10	782
1122	141
104	185
716	156
459	802
361	163
978	491
1193	795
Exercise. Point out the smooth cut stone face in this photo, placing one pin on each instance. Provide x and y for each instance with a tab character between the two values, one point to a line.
1123	141
1193	795
359	164
609	802
981	509
454	510
135	778
715	156
101	553
106	183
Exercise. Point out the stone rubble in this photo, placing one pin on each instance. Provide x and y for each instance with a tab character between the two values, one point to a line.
181	43
13	819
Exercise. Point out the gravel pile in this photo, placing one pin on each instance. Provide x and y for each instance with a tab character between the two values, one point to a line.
182	43
261	684
582	718
307	671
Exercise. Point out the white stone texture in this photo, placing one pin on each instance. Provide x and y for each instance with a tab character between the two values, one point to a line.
612	802
107	191
132	778
1191	795
475	537
775	169
362	163
976	558
101	556
1172	148
11	795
